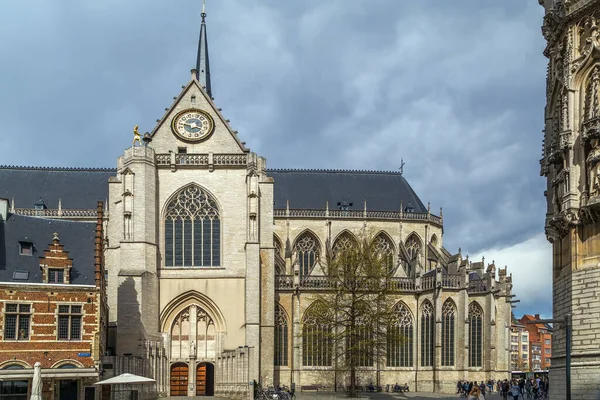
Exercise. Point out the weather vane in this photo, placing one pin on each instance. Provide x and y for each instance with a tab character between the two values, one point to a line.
402	166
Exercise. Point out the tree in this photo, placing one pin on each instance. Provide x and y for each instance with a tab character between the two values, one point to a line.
359	307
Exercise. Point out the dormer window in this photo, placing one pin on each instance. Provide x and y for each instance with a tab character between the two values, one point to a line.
56	275
25	248
409	208
193	99
56	264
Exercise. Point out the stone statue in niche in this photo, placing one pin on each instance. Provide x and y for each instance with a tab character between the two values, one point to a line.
193	349
559	188
593	161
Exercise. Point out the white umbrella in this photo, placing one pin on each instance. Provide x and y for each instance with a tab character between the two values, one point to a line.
125	379
36	386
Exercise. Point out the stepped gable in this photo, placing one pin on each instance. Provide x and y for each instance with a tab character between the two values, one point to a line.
78	188
310	189
77	238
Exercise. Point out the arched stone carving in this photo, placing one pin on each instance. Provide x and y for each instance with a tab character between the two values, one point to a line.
413	246
307	251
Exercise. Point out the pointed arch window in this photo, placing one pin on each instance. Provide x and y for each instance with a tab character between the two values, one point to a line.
475	335
427	334
344	242
383	246
281	337
448	333
192	230
413	246
316	337
307	251
400	338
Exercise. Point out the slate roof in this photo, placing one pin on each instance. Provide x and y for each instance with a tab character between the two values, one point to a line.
310	189
305	189
77	188
77	238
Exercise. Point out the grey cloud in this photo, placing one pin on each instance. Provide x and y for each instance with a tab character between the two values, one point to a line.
454	88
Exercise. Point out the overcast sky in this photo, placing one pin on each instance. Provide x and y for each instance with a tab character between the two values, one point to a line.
456	89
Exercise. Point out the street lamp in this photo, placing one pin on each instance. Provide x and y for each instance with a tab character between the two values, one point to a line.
568	325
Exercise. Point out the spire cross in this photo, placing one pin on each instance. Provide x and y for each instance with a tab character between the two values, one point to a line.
402	166
203	9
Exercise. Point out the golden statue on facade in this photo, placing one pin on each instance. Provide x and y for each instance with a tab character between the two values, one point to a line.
136	136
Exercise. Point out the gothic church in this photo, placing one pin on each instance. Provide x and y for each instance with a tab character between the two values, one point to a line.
213	260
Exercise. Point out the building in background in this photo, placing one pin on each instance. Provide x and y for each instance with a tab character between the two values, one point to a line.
540	341
519	347
571	163
53	302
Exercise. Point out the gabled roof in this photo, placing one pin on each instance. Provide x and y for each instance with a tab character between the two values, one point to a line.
78	188
77	238
311	189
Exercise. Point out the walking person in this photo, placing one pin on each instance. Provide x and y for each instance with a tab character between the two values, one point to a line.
515	391
475	394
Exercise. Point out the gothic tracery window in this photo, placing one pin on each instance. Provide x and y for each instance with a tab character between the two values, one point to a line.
413	246
448	332
383	246
344	242
316	337
427	334
281	337
400	338
307	251
475	335
192	230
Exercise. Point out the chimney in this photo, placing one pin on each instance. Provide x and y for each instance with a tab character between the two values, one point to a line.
537	316
3	209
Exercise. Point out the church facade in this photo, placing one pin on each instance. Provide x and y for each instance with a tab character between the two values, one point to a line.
571	163
213	262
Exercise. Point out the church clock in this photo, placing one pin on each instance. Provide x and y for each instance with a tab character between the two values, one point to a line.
193	125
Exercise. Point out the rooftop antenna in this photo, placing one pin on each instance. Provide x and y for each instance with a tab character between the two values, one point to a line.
402	166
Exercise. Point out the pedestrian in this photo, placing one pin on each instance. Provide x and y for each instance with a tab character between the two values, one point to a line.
515	391
475	394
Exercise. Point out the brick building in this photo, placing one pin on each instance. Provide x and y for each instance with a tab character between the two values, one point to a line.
540	343
53	303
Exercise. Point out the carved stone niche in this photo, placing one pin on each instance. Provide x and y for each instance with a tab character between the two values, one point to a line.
590	126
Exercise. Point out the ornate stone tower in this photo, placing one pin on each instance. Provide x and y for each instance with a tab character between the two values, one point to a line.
571	164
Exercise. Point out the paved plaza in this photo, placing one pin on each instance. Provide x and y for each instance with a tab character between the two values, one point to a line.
374	396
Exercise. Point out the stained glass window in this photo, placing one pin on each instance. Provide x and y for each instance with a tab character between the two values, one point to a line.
192	230
400	338
475	335
307	251
427	334
448	332
316	337
281	337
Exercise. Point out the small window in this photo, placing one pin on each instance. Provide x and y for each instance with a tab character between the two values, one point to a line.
193	99
56	276
182	150
69	322
25	248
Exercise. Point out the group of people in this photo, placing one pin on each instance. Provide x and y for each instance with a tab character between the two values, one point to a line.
516	388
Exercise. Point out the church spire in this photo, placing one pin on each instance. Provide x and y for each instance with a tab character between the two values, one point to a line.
202	65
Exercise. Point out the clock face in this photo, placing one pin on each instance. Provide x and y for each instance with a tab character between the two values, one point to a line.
193	125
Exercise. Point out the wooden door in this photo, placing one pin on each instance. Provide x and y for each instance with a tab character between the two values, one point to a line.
205	380
201	380
179	380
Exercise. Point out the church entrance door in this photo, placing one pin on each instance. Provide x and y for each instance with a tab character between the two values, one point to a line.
205	380
179	379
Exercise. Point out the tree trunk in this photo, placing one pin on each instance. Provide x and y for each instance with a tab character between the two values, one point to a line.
352	381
